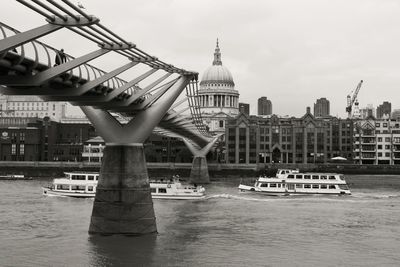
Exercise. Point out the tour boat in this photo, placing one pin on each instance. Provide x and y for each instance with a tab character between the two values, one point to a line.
83	184
296	183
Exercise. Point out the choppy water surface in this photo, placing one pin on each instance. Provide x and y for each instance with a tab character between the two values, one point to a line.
226	229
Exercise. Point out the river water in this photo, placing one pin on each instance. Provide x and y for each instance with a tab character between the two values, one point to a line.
227	228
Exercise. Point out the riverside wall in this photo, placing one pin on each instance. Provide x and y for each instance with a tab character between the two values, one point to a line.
56	169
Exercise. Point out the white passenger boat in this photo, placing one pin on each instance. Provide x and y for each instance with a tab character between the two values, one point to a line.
83	184
296	183
14	177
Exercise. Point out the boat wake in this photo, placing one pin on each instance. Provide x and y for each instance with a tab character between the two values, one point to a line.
229	196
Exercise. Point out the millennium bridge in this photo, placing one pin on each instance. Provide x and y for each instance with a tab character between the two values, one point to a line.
123	203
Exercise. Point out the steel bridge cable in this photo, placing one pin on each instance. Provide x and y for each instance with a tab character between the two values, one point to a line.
64	18
90	18
63	9
36	9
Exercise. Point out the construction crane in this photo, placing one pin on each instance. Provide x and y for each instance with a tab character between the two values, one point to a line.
352	98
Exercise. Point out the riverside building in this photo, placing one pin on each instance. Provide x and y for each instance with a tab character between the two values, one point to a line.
253	139
377	142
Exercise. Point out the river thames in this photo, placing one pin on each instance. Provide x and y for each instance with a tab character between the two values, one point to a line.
227	228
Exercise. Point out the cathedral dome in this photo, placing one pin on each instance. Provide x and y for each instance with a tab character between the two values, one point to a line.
217	73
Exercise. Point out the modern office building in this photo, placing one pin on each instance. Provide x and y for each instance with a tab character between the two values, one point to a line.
321	108
264	106
244	108
384	111
254	139
218	97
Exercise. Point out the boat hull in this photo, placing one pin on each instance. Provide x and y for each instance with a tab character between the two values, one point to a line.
252	189
50	192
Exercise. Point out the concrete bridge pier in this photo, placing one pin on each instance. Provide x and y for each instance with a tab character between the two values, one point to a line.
123	202
199	172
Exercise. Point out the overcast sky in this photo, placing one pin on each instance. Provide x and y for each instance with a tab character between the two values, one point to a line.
292	52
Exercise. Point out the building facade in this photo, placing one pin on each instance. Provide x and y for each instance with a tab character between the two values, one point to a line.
384	110
377	142
322	108
264	106
218	97
253	139
244	108
42	140
31	107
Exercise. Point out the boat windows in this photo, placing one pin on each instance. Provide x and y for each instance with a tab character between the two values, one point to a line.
299	186
63	186
332	186
315	186
153	190
162	190
332	177
78	177
307	176
78	187
315	176
324	177
90	188
299	176
272	185
290	176
341	177
307	186
263	185
90	177
324	186
97	177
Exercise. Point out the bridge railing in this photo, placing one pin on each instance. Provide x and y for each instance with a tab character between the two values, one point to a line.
41	53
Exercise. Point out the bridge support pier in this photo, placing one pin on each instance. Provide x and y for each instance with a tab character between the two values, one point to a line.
199	172
123	203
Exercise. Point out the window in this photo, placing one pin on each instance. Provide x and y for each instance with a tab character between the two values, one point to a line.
324	186
221	123
307	186
299	186
13	149
162	190
387	139
307	176
22	149
91	177
315	177
315	186
379	139
323	177
272	185
90	188
387	154
299	176
332	186
385	125
332	177
153	190
377	125
290	176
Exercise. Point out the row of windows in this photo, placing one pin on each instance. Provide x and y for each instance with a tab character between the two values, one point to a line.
309	176
299	186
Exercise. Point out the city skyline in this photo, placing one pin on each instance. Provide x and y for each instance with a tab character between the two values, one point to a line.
292	52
